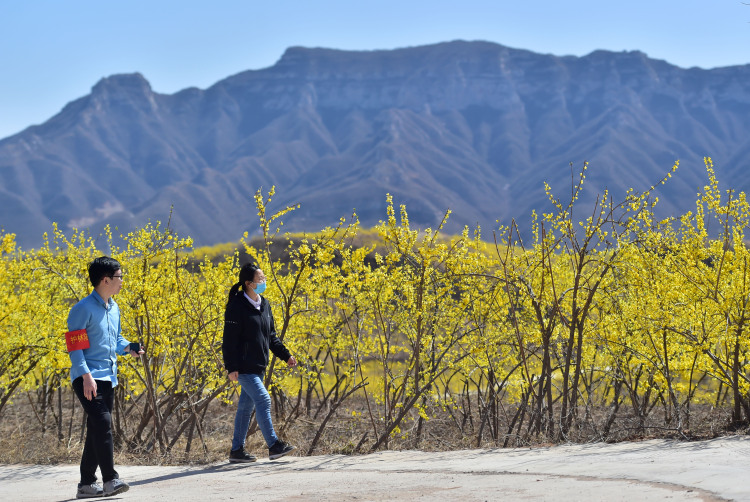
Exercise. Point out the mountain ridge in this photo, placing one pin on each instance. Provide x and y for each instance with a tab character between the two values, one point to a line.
474	127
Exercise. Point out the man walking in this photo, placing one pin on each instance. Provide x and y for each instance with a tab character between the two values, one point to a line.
94	341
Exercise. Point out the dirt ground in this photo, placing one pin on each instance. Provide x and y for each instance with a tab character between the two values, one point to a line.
709	470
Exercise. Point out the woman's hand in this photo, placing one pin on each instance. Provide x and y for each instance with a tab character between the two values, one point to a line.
233	376
292	362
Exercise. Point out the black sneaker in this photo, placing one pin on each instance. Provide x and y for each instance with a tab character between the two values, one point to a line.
279	449
241	455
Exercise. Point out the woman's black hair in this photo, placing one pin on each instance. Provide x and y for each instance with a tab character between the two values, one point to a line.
247	273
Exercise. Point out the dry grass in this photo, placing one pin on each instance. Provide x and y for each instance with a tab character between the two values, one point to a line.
23	440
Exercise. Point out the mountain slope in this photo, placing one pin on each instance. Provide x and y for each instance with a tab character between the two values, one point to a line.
474	127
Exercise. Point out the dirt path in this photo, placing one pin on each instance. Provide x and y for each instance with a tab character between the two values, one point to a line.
717	469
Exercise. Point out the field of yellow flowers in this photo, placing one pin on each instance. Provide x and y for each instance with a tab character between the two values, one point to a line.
608	328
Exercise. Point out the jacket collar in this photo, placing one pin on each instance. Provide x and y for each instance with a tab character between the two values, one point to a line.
240	298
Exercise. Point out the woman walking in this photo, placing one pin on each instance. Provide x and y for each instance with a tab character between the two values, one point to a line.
249	334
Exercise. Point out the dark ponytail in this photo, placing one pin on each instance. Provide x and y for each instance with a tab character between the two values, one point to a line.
247	273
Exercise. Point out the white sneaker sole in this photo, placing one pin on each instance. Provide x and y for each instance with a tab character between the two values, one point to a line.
116	491
279	455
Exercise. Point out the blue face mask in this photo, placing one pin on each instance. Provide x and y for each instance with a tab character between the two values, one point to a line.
260	287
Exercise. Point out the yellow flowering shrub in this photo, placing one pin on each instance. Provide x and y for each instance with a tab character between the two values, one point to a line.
394	326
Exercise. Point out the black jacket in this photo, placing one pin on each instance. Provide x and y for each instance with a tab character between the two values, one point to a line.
249	333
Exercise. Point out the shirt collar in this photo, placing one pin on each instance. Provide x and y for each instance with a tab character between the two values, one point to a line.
253	302
100	300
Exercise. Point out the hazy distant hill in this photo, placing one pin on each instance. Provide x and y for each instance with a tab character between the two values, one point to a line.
471	126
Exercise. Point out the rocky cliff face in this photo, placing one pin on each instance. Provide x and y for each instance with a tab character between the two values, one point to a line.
473	127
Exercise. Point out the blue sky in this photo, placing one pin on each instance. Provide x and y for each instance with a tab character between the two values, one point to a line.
54	51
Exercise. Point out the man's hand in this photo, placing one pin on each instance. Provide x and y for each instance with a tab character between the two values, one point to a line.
292	362
233	376
136	349
89	386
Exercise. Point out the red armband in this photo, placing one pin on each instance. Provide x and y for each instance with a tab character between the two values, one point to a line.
77	340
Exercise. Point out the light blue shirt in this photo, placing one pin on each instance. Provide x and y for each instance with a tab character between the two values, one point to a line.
102	324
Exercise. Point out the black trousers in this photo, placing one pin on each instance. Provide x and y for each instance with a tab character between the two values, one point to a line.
98	451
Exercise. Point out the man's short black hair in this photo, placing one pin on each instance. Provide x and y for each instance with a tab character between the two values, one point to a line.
102	267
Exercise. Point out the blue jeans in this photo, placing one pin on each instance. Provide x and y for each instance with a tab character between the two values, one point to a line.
253	396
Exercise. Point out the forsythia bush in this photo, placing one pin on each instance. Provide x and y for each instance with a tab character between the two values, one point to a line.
620	312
